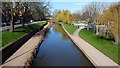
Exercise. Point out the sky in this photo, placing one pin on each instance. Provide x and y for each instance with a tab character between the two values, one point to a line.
83	0
74	5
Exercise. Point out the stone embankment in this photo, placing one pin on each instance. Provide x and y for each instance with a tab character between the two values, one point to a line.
24	56
97	58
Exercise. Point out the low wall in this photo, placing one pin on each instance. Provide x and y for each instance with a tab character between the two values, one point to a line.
12	48
25	55
30	59
35	50
94	55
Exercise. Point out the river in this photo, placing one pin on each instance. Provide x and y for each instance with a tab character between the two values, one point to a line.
57	49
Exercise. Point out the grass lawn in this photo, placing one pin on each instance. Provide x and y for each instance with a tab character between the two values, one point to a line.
108	47
9	37
70	28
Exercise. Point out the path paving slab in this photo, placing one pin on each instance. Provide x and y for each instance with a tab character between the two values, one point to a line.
24	53
94	55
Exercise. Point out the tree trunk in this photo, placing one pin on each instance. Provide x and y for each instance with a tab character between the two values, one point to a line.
23	24
88	28
11	26
96	29
117	40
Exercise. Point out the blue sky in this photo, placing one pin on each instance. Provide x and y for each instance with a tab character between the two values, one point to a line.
83	0
74	5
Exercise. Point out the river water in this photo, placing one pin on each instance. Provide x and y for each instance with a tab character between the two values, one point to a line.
58	50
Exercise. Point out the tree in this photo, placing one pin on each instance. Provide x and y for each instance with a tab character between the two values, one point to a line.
110	18
36	10
8	11
64	16
93	9
69	18
77	16
24	11
113	25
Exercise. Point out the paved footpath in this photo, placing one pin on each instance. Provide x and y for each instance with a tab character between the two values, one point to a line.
24	53
94	55
16	26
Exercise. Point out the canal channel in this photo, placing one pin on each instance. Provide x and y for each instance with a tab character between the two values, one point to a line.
57	49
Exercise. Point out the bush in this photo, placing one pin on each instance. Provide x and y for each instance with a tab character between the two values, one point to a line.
105	36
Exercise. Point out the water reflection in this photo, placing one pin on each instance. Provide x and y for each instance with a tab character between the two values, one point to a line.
60	29
58	50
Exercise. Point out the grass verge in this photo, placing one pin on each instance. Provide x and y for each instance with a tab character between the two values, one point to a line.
108	47
70	28
9	37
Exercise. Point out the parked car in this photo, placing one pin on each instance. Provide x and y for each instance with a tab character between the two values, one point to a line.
17	22
2	24
7	23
